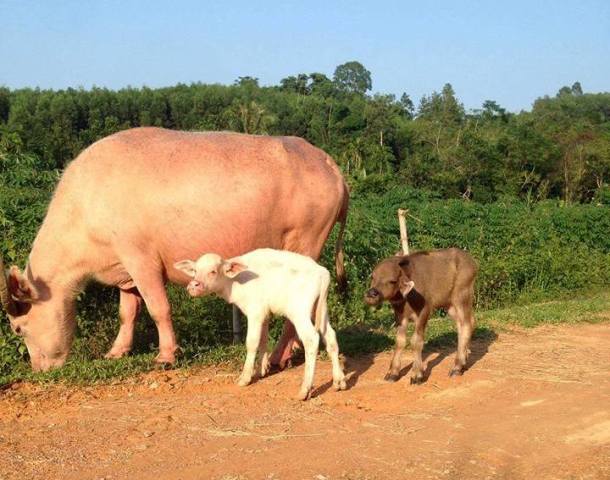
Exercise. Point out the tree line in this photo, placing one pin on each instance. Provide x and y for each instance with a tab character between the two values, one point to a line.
560	149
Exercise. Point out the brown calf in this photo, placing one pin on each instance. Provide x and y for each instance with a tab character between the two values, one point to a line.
416	285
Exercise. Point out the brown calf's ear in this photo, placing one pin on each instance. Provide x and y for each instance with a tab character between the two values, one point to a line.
406	286
404	262
232	268
20	287
186	266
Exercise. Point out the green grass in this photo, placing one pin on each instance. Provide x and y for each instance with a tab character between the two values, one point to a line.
353	341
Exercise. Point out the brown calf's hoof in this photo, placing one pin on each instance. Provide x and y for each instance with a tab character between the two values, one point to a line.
418	380
391	377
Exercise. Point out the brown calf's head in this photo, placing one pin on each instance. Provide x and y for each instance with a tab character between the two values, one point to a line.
209	274
389	281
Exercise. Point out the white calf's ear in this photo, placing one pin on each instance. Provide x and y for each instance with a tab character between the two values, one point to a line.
406	287
232	268
186	266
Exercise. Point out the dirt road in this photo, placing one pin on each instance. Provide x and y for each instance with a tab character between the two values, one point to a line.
535	404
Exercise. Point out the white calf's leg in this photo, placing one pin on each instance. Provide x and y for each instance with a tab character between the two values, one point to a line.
310	338
262	348
253	338
330	339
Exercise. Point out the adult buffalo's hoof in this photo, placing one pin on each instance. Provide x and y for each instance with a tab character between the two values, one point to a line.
456	372
418	380
165	359
114	353
391	377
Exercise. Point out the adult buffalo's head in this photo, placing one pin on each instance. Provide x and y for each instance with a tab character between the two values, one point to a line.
44	321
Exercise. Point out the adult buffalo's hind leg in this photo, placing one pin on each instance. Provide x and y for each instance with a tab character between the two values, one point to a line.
130	304
282	354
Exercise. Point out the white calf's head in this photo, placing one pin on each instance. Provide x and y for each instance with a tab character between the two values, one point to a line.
210	274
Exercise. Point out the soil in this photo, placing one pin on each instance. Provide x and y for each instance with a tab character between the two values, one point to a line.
534	404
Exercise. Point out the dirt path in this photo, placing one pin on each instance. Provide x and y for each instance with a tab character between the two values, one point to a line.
536	404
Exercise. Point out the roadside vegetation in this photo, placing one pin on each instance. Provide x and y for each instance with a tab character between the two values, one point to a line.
526	193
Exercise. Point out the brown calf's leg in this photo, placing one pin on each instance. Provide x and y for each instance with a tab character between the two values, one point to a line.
130	305
417	343
401	342
464	320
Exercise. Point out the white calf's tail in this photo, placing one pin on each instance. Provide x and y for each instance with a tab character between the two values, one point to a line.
321	317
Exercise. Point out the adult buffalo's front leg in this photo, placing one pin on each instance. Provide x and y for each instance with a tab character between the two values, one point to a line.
283	351
129	309
151	286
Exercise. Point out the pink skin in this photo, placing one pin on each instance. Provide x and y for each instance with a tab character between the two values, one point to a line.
196	289
154	197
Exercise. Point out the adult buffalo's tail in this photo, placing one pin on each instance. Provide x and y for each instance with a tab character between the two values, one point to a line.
339	255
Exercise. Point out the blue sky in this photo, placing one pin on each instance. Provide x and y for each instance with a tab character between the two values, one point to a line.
508	51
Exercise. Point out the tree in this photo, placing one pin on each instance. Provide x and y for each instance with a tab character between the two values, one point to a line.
407	105
352	77
576	89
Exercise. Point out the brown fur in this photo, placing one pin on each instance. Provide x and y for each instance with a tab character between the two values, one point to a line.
418	284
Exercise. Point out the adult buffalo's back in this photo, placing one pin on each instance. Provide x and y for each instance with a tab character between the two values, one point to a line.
134	203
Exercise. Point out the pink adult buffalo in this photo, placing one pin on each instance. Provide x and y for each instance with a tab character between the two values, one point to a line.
134	203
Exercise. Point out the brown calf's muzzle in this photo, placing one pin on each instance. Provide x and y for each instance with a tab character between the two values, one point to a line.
373	297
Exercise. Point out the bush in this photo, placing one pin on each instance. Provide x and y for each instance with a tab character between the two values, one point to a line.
524	252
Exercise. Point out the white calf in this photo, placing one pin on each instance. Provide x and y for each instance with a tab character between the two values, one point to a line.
265	282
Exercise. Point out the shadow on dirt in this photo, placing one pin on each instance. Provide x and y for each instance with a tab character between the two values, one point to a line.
363	345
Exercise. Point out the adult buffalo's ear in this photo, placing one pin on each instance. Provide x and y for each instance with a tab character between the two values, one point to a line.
186	266
232	268
20	287
406	286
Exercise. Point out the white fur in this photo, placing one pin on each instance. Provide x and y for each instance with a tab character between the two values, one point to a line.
265	282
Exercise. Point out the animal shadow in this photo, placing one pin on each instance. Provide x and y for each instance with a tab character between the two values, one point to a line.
446	346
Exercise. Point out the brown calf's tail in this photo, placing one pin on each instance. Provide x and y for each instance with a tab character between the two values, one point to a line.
339	255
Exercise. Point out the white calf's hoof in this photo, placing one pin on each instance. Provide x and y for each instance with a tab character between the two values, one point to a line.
244	381
264	370
339	384
305	394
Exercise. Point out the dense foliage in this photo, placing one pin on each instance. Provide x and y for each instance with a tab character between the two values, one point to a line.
560	149
526	193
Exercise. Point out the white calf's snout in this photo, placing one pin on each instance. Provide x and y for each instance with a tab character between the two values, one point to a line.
195	288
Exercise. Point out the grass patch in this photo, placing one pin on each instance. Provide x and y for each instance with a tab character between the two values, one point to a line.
353	341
